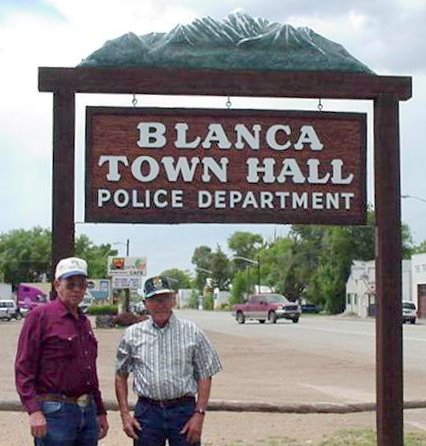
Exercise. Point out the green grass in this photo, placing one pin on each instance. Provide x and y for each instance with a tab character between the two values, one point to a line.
350	437
367	437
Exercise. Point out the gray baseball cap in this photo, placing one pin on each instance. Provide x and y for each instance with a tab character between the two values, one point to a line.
156	285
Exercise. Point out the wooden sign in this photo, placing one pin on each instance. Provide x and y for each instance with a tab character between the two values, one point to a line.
225	166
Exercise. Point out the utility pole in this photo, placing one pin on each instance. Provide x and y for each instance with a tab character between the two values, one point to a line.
258	275
126	302
254	262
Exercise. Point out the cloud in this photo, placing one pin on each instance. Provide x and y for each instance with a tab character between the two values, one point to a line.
386	35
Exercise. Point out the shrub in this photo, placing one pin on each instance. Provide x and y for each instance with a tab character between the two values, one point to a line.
208	301
104	321
126	319
96	310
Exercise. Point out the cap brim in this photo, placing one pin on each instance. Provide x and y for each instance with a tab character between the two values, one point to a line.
72	273
156	292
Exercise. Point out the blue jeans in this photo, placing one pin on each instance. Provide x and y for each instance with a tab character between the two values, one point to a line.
161	423
69	425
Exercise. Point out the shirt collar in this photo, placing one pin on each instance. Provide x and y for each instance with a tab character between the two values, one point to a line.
63	309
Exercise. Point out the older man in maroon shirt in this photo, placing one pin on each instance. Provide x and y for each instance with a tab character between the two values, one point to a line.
55	366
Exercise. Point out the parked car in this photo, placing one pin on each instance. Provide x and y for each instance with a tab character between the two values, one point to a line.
409	312
4	314
311	308
267	306
88	299
138	308
10	309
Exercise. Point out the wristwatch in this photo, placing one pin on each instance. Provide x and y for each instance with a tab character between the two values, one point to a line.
200	411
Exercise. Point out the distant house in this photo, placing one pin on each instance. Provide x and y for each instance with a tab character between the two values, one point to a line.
361	287
5	291
418	282
183	298
220	298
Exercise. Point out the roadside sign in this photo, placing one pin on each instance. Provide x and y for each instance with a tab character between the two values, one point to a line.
90	284
126	282
126	266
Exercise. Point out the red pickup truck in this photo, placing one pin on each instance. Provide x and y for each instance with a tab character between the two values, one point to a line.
267	306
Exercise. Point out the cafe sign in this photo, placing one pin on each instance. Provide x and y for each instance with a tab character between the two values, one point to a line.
126	266
225	166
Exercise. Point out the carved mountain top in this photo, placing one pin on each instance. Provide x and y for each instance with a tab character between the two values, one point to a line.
238	42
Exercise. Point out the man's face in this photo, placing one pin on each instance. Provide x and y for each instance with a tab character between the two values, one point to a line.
160	306
71	290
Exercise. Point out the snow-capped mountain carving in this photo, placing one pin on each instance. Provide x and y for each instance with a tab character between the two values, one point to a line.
238	42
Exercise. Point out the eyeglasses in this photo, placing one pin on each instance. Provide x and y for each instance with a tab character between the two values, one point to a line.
80	284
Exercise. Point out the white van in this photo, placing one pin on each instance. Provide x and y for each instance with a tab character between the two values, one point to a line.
409	312
9	310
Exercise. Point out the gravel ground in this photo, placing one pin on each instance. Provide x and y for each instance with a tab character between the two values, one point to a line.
251	373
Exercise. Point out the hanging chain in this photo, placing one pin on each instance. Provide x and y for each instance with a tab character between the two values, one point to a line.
320	106
228	103
134	100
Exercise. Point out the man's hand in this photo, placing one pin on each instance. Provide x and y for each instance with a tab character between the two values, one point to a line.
38	424
193	428
130	425
103	426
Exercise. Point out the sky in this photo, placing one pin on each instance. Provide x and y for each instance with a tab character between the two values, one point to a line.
386	35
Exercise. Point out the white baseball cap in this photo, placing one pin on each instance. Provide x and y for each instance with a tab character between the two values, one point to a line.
71	266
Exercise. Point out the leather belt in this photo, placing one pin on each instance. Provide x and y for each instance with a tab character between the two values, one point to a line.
82	400
168	403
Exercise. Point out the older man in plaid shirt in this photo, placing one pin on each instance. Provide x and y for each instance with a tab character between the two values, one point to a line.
172	362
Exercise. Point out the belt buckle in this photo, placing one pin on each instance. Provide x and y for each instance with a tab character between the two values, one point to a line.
83	400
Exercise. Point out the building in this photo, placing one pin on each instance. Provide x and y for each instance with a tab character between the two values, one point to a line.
361	287
418	282
184	297
220	298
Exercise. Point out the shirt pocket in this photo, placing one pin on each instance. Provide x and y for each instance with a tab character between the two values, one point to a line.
62	347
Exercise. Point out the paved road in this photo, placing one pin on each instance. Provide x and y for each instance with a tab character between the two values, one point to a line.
315	332
335	337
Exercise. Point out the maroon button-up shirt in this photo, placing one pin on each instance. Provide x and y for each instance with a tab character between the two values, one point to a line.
56	354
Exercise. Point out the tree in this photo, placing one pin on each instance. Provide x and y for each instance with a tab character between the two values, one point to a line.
275	264
244	244
25	255
306	249
201	258
219	265
178	278
96	256
239	287
407	242
334	268
421	248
